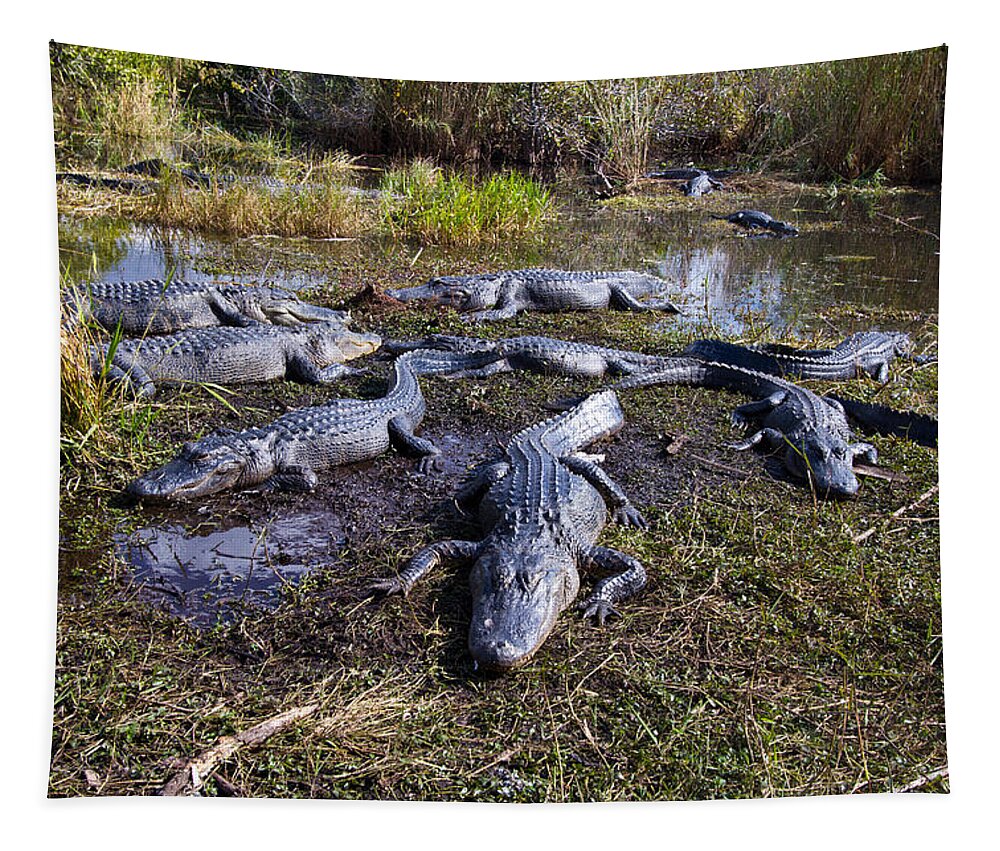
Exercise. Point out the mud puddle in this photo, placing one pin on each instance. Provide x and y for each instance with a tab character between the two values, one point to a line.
204	577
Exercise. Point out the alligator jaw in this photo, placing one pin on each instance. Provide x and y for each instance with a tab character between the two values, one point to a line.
354	344
193	474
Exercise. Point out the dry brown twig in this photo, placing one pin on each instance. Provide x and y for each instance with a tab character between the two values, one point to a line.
195	771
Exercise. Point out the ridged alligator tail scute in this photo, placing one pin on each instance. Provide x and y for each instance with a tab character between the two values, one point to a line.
541	505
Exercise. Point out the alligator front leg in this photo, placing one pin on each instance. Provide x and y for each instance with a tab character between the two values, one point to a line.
771	437
470	494
403	440
629	580
296	478
226	312
453	552
507	306
624	300
867	452
497	366
621	507
306	371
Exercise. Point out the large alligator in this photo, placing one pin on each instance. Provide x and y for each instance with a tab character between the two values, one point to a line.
880	419
867	352
313	353
161	307
535	354
501	295
287	453
751	220
542	505
812	430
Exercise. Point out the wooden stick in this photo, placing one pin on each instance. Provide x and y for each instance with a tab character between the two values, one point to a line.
857	539
195	771
924	779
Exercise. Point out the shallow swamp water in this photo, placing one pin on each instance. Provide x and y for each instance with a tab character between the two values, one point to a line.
782	646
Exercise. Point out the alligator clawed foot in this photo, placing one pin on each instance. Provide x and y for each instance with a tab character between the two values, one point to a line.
430	464
387	588
628	515
600	610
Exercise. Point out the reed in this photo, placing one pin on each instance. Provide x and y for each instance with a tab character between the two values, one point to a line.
423	202
320	208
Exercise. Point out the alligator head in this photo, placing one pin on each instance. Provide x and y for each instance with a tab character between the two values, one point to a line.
203	467
824	460
454	292
281	307
517	595
333	343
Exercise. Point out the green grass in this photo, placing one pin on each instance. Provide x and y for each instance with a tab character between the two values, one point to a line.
424	203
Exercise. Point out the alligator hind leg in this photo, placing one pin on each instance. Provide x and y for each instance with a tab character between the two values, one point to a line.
403	439
624	300
455	552
297	478
629	580
744	413
133	375
621	507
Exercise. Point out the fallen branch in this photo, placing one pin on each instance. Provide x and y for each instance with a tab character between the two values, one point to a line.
907	225
857	539
195	771
925	779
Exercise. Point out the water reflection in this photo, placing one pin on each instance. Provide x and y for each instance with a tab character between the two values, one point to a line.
204	576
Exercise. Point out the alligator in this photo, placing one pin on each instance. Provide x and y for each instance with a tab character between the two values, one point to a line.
698	181
501	295
313	353
162	307
535	354
751	220
542	506
118	184
813	430
867	352
880	419
701	184
287	453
